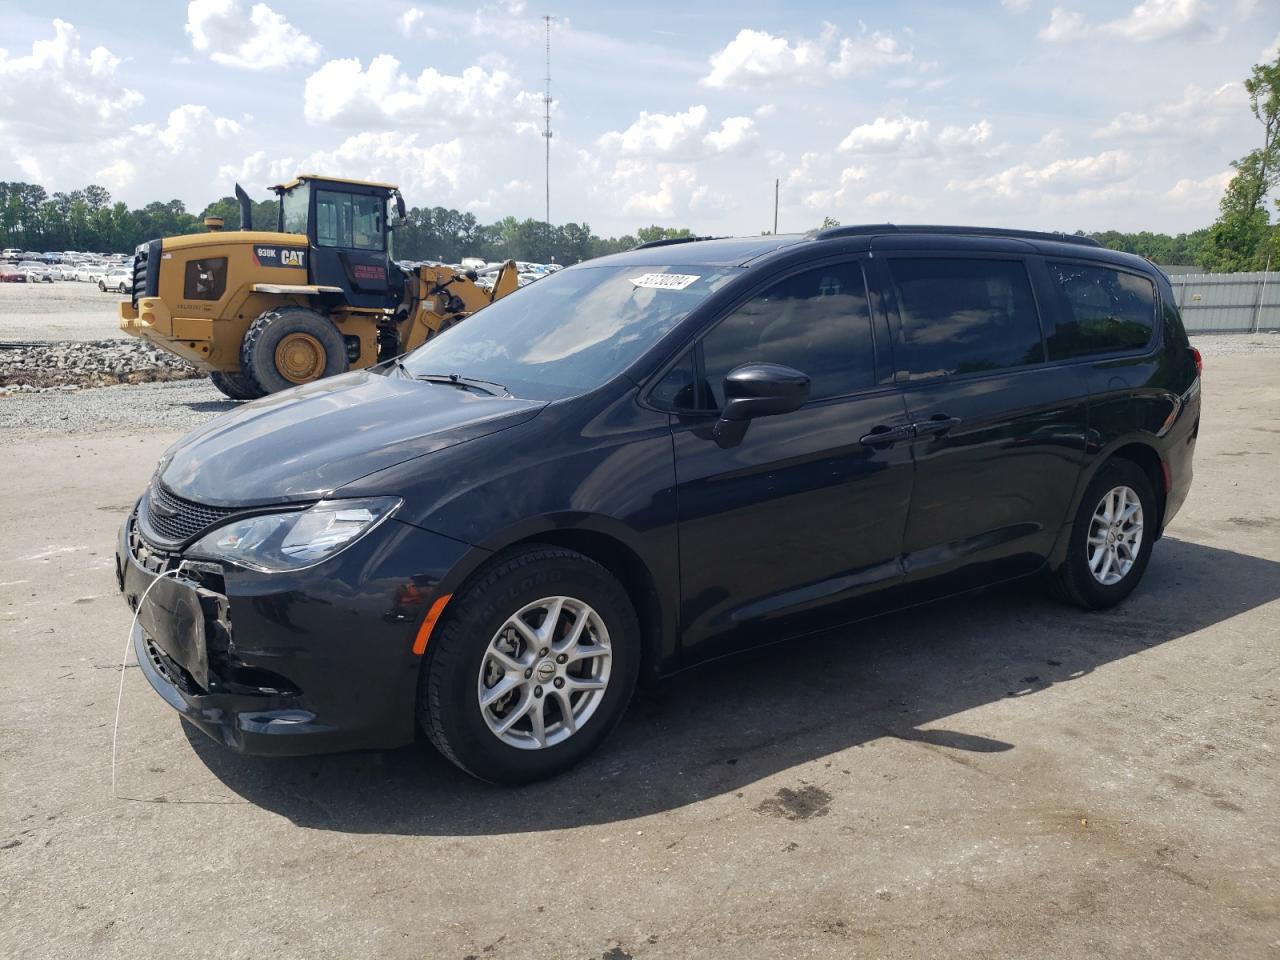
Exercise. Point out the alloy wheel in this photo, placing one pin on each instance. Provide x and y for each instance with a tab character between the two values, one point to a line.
544	673
1115	536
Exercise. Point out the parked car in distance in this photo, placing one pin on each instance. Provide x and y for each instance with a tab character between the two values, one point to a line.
36	271
119	280
648	461
11	274
65	271
91	272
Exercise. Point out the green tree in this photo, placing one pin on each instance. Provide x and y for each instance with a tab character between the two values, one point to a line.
1243	236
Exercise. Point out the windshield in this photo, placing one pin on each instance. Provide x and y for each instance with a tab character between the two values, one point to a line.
570	331
293	209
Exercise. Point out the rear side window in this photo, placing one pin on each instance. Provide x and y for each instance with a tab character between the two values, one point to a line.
816	322
205	279
965	316
1100	310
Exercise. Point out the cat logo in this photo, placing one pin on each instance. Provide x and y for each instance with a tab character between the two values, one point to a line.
291	258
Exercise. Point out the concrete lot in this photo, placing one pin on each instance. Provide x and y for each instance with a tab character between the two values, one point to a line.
998	776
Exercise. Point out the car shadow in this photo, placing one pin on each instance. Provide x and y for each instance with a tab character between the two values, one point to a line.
728	724
211	406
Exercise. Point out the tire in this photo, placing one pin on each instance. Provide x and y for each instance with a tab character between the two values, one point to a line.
320	348
233	385
121	289
102	286
1075	581
459	662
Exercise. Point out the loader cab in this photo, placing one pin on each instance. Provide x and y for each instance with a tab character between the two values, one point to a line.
349	233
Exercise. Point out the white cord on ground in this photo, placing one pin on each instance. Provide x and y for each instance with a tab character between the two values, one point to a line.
115	729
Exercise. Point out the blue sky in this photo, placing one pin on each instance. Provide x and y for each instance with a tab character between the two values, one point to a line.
1033	113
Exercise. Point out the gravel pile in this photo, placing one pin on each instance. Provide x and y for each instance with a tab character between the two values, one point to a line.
63	364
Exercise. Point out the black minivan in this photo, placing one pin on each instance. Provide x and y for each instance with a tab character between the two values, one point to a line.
650	460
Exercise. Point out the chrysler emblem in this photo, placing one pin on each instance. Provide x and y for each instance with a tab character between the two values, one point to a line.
158	508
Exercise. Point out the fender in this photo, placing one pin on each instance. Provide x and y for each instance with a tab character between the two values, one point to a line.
602	533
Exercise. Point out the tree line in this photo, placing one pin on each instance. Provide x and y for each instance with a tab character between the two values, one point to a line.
88	220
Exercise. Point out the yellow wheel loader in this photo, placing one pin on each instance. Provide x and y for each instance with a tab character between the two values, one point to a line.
264	310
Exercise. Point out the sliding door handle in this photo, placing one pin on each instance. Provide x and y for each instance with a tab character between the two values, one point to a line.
883	435
936	425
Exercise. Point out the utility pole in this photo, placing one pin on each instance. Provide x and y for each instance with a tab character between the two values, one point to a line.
775	206
546	130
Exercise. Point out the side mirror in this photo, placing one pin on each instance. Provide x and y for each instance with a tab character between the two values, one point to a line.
758	390
399	205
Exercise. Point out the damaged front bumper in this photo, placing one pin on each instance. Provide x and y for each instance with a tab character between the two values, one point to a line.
315	661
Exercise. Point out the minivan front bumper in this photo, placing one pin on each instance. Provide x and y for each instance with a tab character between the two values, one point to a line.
313	661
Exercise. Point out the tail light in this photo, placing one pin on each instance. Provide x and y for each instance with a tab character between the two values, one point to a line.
1195	355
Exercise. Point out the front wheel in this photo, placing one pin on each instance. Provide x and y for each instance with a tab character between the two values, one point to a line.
1111	538
532	666
102	286
290	346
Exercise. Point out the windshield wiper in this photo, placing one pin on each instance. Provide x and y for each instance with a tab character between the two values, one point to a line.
464	383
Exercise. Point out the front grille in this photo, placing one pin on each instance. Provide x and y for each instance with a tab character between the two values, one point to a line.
176	520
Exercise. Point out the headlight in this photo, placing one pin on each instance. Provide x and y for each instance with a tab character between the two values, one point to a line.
277	542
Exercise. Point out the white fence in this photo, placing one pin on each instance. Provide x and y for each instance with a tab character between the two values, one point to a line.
1228	302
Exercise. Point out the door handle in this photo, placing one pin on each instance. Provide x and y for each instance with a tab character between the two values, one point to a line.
936	426
884	435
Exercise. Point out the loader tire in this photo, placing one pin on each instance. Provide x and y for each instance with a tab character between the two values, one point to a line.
290	346
234	386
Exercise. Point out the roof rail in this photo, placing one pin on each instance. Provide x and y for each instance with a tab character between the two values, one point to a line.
668	241
862	230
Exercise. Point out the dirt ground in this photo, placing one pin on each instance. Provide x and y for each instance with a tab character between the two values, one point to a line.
997	776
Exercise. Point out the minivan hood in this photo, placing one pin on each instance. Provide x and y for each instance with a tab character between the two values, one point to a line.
304	443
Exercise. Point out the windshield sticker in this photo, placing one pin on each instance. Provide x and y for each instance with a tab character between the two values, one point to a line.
664	281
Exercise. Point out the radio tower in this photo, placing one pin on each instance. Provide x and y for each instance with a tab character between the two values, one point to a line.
546	132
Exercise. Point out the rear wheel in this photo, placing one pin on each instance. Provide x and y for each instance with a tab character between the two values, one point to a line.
235	386
102	286
1111	539
532	666
290	346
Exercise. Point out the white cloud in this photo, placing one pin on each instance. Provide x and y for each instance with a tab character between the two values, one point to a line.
885	135
396	157
343	93
1205	111
1202	195
973	135
61	93
657	133
118	175
868	52
258	40
187	127
734	133
1024	178
1017	6
1271	52
1148	21
827	200
756	57
765	110
1158	19
1064	25
413	24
